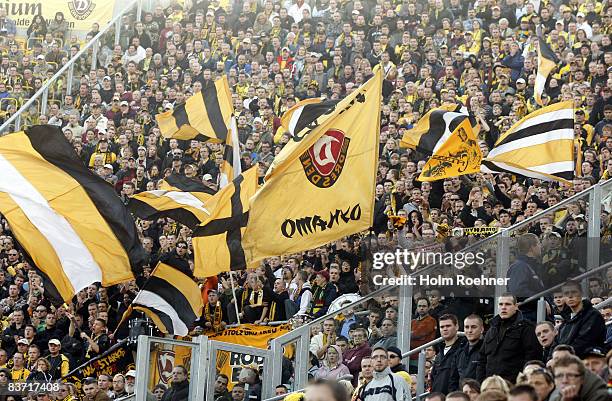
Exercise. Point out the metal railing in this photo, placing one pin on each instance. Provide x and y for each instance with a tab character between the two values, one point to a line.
500	242
14	120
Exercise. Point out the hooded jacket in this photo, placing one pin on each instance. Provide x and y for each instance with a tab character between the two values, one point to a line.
385	386
332	372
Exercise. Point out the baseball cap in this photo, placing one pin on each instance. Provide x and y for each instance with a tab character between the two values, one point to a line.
595	351
23	341
131	373
520	81
109	166
580	14
55	341
106	78
40	57
124	103
207	177
258	119
142	147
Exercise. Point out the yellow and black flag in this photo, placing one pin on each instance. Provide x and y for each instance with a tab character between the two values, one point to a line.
320	187
179	197
217	243
171	299
547	61
540	145
231	167
435	127
205	116
458	155
70	221
302	114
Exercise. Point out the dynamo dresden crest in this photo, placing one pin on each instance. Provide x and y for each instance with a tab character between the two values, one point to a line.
324	161
165	363
81	9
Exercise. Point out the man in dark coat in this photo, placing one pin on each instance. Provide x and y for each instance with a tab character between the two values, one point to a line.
469	356
586	328
179	390
509	343
444	373
523	278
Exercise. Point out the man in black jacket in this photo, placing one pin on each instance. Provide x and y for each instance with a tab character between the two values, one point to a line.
586	328
469	356
444	373
509	343
179	391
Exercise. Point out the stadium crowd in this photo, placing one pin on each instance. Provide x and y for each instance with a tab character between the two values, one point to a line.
481	54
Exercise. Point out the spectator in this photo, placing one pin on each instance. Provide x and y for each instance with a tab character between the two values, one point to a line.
572	382
92	392
546	333
423	326
586	328
445	371
360	350
326	390
332	368
509	342
469	356
523	392
179	389
385	385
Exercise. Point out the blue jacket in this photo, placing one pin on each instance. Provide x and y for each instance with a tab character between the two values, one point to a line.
515	63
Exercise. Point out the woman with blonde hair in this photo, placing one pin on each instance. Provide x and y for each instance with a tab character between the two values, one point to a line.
494	382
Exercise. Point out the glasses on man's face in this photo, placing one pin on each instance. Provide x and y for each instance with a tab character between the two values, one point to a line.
12	254
181	246
568	375
393	356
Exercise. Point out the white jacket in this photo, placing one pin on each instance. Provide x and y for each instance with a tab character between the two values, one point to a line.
386	386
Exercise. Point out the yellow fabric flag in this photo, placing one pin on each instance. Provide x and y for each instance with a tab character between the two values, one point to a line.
320	187
218	241
459	155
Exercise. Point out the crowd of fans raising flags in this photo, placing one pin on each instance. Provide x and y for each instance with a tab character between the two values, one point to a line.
481	54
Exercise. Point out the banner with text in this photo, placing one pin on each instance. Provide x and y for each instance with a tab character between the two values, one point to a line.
80	14
230	363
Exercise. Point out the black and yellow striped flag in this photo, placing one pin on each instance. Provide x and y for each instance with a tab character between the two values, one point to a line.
217	243
231	167
547	61
179	197
171	299
302	114
70	221
205	116
435	128
540	145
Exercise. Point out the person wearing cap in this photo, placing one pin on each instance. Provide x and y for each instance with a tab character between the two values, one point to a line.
59	364
595	360
323	295
96	118
395	360
385	385
130	381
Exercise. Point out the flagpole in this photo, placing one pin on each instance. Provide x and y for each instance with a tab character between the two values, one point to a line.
231	274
